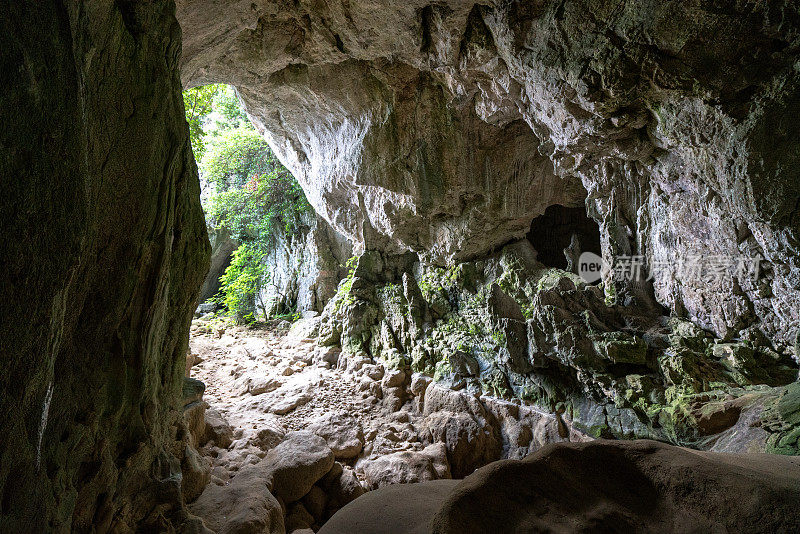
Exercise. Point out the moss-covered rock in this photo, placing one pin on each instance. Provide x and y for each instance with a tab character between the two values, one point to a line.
782	420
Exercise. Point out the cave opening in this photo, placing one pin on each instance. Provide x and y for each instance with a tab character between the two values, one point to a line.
421	130
561	234
254	210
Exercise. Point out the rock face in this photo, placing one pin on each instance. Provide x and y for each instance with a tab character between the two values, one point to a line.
222	247
304	269
101	277
445	128
511	327
567	487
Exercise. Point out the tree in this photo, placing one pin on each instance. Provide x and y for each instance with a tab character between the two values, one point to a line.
235	156
254	196
198	103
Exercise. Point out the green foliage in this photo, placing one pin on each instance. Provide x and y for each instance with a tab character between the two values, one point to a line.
235	156
343	296
228	110
266	202
251	194
241	281
198	103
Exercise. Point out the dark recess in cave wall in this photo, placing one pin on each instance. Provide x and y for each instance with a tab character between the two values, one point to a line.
561	234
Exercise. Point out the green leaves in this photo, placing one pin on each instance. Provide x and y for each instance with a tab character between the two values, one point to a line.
266	203
197	103
252	194
241	282
235	156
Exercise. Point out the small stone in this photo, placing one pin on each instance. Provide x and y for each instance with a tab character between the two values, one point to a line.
217	429
394	378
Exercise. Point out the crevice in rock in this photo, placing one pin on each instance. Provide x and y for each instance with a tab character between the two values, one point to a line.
561	234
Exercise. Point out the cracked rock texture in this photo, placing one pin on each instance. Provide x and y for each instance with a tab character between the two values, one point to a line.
101	277
304	269
445	128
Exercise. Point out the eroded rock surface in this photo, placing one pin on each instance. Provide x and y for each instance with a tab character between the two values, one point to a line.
104	253
446	128
509	327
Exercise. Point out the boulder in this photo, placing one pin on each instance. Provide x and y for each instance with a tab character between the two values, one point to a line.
298	518
195	473
419	384
194	418
470	442
217	429
286	399
315	501
341	487
243	506
342	433
393	378
405	467
192	390
396	509
654	488
297	464
329	355
262	384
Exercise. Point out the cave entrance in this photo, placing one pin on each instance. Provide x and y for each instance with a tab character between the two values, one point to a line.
561	234
254	209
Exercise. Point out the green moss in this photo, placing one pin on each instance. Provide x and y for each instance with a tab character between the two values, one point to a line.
422	361
622	348
443	369
782	420
344	296
610	292
496	383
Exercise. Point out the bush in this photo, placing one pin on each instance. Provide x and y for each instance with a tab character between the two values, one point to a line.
241	282
234	156
253	194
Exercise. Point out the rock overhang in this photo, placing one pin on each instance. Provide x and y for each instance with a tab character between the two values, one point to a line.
446	128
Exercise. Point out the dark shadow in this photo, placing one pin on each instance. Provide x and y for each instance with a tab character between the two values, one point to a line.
560	235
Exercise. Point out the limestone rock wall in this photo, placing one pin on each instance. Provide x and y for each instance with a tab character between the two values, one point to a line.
445	128
507	326
105	249
305	268
222	248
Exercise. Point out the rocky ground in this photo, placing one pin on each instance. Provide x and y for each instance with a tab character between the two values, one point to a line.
319	428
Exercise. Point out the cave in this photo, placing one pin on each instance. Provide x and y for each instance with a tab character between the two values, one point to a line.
448	152
561	234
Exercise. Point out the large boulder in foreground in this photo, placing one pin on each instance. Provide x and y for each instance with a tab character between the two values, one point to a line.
249	503
637	486
598	486
297	463
396	509
244	506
